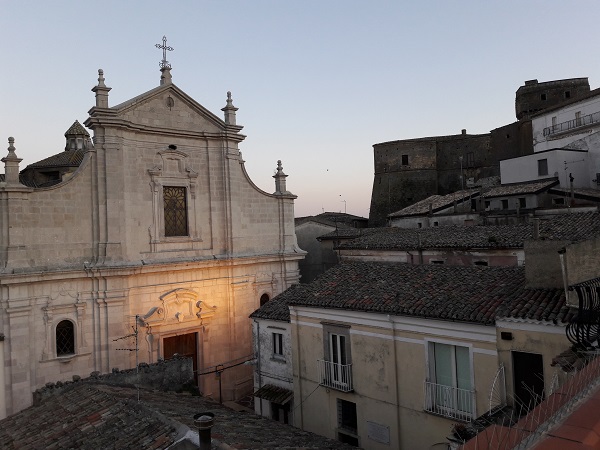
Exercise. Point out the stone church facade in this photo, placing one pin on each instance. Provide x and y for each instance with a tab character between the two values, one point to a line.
158	228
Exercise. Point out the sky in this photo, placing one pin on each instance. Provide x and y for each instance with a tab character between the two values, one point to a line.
317	83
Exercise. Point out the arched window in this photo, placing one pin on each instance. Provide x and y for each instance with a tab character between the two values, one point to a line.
65	338
264	299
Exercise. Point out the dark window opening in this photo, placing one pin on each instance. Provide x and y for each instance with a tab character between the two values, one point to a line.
481	263
347	415
487	205
473	204
542	167
175	203
278	344
470	159
504	204
558	201
567	94
264	299
522	202
543	97
436	261
435	224
507	136
405	160
65	338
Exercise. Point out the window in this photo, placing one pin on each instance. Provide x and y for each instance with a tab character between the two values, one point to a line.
505	204
558	201
542	167
405	160
567	94
470	159
264	299
554	124
481	263
278	345
175	201
335	370
65	338
578	119
419	225
347	421
522	202
449	391
543	97
487	205
436	224
436	261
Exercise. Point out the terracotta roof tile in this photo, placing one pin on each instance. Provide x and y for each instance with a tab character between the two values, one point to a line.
68	158
454	293
437	202
571	227
530	187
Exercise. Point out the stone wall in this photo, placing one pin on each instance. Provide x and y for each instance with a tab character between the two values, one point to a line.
175	374
534	96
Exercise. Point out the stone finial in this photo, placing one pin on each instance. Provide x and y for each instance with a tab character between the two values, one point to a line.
101	91
11	163
101	78
229	110
280	187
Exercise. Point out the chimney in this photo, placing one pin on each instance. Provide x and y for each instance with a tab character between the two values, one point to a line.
464	131
536	229
204	421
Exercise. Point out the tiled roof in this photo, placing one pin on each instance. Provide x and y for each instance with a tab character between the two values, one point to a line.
68	158
531	187
331	219
277	308
499	236
85	417
578	192
437	202
101	416
77	128
571	227
454	293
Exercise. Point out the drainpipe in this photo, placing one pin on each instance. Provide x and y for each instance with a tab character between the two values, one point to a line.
2	382
258	362
396	374
204	421
295	311
536	229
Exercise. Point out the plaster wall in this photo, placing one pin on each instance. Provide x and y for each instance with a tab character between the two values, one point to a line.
389	368
437	219
271	368
525	168
566	113
314	263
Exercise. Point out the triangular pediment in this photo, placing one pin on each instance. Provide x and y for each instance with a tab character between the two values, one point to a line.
168	107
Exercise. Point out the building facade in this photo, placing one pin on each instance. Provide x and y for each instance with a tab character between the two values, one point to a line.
158	237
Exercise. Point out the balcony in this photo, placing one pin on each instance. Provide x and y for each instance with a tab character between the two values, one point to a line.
335	376
572	124
449	401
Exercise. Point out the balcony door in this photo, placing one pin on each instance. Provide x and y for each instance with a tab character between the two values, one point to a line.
337	355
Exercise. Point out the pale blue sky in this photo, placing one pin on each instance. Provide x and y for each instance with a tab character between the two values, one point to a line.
317	83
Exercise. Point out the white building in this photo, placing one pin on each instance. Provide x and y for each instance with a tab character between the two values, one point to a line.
566	144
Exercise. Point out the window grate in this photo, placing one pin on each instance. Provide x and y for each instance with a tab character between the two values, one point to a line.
65	338
175	211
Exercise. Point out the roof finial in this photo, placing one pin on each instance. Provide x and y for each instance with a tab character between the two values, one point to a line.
11	147
101	78
229	110
164	64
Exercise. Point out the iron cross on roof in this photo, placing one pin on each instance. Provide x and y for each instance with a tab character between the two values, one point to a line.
164	64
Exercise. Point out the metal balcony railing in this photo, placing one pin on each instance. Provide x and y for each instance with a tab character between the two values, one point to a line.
335	376
449	401
571	124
